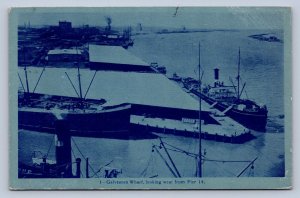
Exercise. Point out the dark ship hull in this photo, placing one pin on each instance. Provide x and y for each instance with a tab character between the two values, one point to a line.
252	120
111	121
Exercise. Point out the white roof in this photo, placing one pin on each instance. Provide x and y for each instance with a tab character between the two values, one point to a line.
64	51
115	87
114	55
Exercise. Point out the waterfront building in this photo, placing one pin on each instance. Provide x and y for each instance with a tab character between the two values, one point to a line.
115	58
64	55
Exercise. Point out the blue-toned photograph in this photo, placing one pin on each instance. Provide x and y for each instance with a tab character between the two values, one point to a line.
151	93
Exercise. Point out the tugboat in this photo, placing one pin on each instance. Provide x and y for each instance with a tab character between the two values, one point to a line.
227	98
63	164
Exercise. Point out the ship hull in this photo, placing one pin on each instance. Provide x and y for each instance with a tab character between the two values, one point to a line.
107	123
252	120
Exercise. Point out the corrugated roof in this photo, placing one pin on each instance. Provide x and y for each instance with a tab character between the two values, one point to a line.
64	51
115	87
113	55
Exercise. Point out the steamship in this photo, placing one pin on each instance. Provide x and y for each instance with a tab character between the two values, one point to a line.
227	99
85	117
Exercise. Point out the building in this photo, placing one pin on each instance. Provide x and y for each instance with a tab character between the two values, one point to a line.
115	58
65	26
65	55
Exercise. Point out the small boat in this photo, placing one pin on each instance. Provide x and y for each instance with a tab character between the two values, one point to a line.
62	166
175	77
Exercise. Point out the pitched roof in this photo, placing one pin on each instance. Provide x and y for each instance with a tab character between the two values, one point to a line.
113	55
115	87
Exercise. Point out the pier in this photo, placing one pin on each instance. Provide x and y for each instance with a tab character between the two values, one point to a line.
228	131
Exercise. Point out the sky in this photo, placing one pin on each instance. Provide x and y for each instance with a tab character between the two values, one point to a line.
169	17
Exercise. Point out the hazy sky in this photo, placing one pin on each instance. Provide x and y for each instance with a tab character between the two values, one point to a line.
206	18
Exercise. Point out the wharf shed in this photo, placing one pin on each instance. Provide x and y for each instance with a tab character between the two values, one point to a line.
115	58
150	94
65	55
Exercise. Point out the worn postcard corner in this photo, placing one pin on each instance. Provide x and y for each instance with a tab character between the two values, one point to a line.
150	98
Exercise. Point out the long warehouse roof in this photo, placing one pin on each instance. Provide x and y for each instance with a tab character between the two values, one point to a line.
113	55
115	87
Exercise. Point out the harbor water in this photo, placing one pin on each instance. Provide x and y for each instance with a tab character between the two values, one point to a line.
261	70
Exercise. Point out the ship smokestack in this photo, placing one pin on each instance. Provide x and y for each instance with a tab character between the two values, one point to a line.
216	71
63	148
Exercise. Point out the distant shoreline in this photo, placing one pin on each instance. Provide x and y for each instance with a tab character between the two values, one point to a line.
193	31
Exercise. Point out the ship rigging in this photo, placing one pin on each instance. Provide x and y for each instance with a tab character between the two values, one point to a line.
199	157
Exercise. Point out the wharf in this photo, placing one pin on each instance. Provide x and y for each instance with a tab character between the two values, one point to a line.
226	131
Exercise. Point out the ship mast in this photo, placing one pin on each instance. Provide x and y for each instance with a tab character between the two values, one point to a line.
80	95
238	76
199	168
79	81
25	70
27	91
78	75
26	77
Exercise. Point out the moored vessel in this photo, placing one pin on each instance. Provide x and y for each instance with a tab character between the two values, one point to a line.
227	98
85	117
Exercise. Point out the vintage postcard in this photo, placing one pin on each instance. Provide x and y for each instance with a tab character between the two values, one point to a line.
150	98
